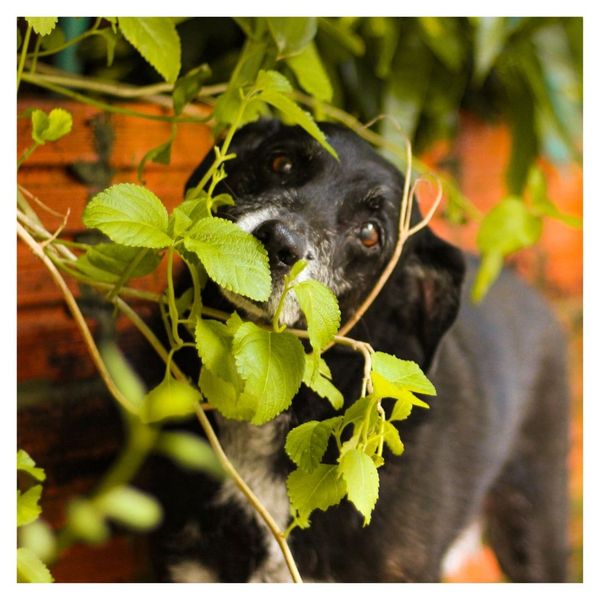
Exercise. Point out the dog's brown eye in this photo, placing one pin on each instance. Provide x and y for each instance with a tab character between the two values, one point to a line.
281	164
369	234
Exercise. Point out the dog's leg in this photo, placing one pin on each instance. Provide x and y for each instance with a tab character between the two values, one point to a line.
527	508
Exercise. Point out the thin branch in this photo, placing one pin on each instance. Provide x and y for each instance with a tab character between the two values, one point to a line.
23	55
119	90
36	80
79	319
249	494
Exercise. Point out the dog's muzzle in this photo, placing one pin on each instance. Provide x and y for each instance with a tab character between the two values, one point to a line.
285	245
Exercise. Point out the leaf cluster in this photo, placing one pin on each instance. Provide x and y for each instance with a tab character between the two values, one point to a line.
359	435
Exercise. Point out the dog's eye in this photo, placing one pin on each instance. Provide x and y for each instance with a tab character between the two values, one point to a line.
368	234
282	164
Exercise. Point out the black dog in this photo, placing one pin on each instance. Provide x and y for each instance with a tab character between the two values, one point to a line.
493	445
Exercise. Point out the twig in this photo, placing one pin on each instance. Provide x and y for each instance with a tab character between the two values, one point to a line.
119	90
404	232
79	319
37	80
252	499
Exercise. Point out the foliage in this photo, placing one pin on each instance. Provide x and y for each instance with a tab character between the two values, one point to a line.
30	566
425	70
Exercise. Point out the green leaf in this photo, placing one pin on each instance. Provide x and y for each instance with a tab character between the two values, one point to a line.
403	373
296	116
39	538
321	310
387	33
214	343
130	507
392	438
541	204
382	388
444	39
342	36
122	373
170	399
50	127
194	208
306	444
129	214
28	508
489	36
557	82
362	481
508	227
161	154
224	396
157	40
489	269
272	364
42	25
296	269
320	489
405	95
402	409
30	569
233	258
292	34
187	87
27	464
54	39
110	38
359	411
87	521
521	112
318	378
108	262
191	452
272	81
311	74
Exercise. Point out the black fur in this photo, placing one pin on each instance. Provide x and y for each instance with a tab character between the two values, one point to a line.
494	442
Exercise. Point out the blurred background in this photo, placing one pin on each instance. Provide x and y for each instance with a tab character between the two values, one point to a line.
492	106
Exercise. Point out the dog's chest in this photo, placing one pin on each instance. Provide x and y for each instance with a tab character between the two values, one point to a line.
253	450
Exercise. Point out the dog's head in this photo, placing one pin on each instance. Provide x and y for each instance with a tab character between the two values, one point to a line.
342	217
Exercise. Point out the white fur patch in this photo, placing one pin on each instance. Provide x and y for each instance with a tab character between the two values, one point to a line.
191	571
464	547
251	450
251	220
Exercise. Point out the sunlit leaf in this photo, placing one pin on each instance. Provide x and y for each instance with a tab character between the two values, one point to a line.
157	40
129	214
321	488
362	481
30	569
42	25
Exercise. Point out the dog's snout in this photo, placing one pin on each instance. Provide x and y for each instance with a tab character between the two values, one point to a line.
284	245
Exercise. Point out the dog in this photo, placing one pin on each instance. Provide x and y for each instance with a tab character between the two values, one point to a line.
492	449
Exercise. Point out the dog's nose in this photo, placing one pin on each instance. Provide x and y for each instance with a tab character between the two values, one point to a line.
284	245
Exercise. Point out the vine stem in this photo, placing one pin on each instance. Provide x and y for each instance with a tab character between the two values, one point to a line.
249	494
23	55
120	90
73	41
36	80
79	319
404	232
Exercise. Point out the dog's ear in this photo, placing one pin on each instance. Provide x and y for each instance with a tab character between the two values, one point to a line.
423	297
245	140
